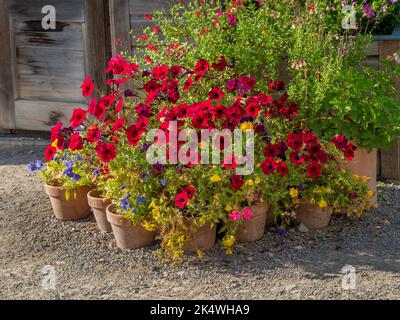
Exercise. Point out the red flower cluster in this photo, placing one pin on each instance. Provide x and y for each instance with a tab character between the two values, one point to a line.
343	144
182	198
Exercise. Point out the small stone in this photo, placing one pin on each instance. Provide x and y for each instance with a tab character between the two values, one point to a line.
303	228
386	222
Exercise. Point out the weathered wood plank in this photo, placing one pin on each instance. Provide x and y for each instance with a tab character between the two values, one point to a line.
120	25
66	10
66	36
373	49
390	157
68	64
142	7
7	120
97	44
42	115
56	88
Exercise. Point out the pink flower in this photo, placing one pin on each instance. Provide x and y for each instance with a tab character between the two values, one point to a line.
235	215
247	214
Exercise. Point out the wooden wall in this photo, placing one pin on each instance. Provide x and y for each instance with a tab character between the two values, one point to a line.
129	15
45	68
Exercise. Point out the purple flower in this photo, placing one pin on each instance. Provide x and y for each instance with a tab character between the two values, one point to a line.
32	167
280	232
231	84
76	177
368	11
145	147
140	200
125	204
164	183
96	172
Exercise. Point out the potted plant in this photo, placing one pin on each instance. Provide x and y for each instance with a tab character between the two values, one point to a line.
66	183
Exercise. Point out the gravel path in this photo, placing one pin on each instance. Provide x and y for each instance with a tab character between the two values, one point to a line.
88	265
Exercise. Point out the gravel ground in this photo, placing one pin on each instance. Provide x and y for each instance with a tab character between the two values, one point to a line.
87	264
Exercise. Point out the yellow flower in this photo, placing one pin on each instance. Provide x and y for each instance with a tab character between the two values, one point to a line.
228	251
149	226
356	177
55	143
322	204
228	208
258	180
294	192
365	180
215	178
370	194
229	242
250	183
246	126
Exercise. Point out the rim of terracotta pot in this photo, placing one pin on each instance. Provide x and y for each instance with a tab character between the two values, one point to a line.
96	201
116	219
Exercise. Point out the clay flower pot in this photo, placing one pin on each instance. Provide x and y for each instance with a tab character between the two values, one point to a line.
76	208
312	216
364	163
128	236
253	229
201	238
99	206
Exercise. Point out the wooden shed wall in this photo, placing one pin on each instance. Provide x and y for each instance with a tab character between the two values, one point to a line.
47	67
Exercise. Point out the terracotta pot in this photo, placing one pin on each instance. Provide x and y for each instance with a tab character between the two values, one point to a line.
201	238
312	216
364	163
128	236
99	206
76	208
253	229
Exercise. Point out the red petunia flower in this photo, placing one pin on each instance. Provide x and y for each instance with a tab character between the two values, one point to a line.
87	87
93	135
236	182
295	140
143	111
175	71
78	117
295	158
49	153
56	130
282	168
152	87
340	141
268	166
160	72
118	124
314	170
106	151
271	151
201	67
190	191
253	109
349	151
221	65
218	111
188	84
76	142
276	86
216	94
181	200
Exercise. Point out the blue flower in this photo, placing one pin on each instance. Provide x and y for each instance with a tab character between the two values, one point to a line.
164	183
39	164
96	172
68	172
32	167
76	177
140	200
79	157
125	204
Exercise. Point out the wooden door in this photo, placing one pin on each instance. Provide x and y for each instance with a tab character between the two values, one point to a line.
41	70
